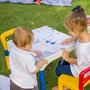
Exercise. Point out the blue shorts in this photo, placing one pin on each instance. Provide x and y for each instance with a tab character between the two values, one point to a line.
63	68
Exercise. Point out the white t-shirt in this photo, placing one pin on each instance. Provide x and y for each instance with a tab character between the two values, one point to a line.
83	58
22	64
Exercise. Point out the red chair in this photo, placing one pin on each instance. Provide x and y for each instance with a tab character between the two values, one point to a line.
84	80
74	83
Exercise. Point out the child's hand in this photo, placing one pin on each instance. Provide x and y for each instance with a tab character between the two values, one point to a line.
42	62
67	41
45	61
38	53
65	55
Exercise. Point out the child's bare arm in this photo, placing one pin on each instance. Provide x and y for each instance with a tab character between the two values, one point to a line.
66	57
39	65
71	60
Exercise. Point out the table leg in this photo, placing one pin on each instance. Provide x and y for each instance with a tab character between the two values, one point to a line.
42	80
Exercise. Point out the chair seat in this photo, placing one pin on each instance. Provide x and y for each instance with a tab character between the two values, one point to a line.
69	82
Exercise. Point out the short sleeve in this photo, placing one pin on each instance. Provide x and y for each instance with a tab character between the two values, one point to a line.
81	58
31	67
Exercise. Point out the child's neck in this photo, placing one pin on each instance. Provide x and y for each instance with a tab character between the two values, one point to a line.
25	49
84	37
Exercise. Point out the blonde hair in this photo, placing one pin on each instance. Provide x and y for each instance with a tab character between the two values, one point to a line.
22	37
76	19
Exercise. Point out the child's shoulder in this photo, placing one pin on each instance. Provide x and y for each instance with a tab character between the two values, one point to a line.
21	53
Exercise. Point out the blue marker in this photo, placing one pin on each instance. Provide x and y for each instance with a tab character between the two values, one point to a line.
52	43
47	41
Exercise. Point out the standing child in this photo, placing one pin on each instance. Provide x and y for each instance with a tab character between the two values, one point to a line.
76	24
22	61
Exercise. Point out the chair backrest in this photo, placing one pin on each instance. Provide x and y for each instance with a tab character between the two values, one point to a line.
84	77
5	45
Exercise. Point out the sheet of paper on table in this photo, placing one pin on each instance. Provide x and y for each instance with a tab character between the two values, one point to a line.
49	40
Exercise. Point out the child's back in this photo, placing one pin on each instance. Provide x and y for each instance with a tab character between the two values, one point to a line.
83	58
22	66
23	62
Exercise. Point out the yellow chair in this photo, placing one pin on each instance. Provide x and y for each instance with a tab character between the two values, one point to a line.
74	83
4	44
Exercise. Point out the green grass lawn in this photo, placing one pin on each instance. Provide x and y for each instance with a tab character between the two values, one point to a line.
34	16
